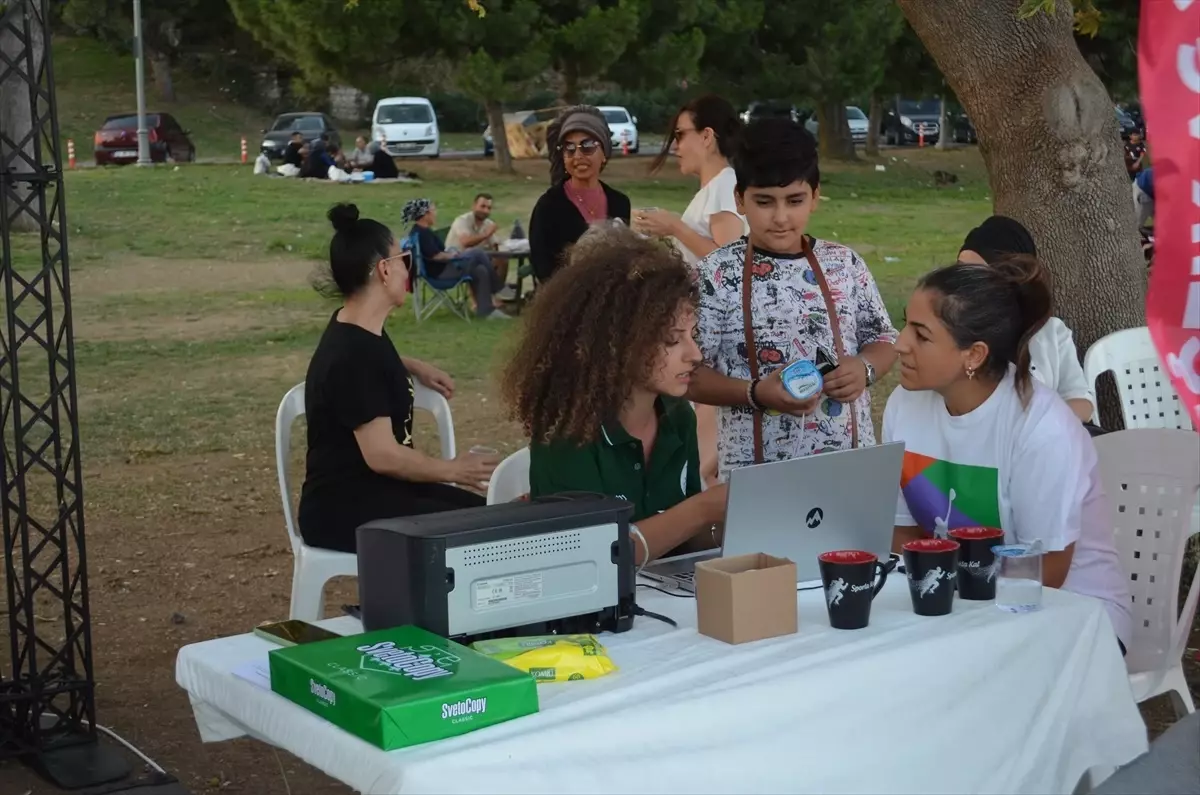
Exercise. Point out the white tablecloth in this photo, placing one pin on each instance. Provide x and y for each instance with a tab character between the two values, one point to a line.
976	702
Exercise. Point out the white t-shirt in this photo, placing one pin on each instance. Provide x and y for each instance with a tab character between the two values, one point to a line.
1055	362
1031	471
715	197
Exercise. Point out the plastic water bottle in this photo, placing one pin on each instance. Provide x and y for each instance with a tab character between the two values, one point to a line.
1019	584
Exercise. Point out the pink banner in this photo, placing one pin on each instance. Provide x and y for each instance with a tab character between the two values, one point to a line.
1169	70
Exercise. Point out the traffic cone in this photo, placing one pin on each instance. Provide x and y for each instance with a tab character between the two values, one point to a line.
920	139
70	153
625	143
245	153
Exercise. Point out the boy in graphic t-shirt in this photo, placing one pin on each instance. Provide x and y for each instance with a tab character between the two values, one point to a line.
794	279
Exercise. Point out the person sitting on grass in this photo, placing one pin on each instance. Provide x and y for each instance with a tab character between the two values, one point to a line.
1053	358
443	264
383	165
358	396
986	443
598	382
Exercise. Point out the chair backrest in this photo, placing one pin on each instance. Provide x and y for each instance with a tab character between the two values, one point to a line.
511	478
1148	398
291	408
413	245
426	399
1152	478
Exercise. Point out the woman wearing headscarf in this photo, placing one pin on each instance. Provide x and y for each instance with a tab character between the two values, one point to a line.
1054	359
580	145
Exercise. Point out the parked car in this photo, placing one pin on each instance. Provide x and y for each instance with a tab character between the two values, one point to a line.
854	117
907	121
311	124
116	142
770	109
962	130
1128	124
408	126
621	124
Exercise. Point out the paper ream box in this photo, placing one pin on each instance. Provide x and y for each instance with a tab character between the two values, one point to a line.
400	687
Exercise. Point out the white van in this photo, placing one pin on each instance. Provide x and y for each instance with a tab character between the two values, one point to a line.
408	125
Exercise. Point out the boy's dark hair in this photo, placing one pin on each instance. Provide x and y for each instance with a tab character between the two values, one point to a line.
774	153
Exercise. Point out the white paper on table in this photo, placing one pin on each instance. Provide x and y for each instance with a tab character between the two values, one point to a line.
256	672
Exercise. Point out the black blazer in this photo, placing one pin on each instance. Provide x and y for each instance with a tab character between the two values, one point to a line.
556	224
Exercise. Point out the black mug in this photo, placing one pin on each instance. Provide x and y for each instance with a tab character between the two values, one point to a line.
978	566
849	579
932	567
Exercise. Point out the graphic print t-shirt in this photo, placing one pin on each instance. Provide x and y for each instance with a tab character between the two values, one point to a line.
1031	471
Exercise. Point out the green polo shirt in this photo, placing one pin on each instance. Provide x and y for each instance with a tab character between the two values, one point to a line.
615	464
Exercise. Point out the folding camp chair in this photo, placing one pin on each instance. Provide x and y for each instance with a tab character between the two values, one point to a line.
430	293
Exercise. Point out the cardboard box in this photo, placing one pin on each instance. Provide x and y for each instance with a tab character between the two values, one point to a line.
400	687
746	598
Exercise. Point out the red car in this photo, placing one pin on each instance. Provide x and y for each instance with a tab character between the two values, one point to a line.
116	141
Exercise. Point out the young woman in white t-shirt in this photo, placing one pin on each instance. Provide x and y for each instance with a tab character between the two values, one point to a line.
1054	360
703	136
986	444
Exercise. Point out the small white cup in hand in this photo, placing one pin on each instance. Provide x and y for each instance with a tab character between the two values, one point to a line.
484	450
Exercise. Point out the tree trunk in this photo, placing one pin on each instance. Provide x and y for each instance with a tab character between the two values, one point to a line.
1049	139
495	117
834	131
570	75
160	67
16	119
944	131
874	122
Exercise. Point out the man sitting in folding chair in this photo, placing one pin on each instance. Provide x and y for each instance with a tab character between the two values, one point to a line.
447	266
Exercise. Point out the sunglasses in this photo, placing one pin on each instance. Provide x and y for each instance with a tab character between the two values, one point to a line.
588	147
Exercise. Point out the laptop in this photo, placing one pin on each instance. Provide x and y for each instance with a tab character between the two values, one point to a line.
800	508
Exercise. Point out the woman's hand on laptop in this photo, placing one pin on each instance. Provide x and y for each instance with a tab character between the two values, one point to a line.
772	394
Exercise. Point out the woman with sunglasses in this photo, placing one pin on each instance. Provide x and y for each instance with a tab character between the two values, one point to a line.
704	137
580	145
358	397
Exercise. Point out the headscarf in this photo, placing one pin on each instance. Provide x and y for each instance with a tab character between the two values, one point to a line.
997	236
579	118
414	210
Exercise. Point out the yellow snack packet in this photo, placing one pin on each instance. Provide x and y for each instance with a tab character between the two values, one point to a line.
551	658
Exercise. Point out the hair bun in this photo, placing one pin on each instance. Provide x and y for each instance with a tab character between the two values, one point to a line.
343	216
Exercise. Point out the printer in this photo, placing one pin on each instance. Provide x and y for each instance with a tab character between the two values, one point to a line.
559	565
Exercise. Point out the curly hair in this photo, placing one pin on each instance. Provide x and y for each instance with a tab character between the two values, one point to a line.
594	333
558	169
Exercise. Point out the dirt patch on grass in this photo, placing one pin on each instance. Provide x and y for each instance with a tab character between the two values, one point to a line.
191	327
149	275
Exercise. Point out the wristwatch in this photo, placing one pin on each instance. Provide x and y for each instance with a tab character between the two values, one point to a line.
870	371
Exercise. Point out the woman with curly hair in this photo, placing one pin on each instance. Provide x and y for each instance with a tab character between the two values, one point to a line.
580	145
598	383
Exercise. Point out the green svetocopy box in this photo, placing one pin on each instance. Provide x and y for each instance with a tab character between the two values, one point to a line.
400	687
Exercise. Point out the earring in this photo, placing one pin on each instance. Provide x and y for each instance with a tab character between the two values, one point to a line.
971	373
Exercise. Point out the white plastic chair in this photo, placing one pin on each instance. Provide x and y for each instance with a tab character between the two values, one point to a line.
1152	478
312	567
1148	398
511	478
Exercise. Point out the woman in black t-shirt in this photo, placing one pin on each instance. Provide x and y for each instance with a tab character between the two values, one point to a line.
358	396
